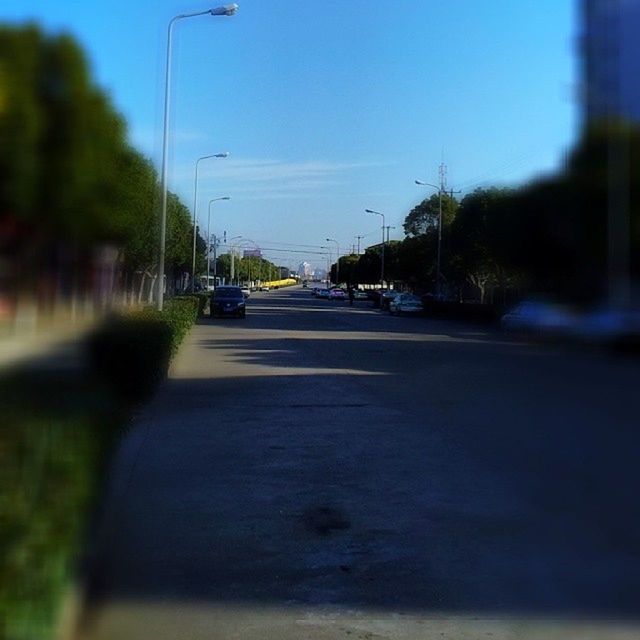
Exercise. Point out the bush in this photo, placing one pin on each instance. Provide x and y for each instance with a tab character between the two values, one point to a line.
132	353
179	314
201	298
56	434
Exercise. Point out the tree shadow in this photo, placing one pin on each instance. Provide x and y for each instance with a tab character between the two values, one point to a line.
396	471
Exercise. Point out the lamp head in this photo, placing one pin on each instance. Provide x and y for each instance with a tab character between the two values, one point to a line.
226	10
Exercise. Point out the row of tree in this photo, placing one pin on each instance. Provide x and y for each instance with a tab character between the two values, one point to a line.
247	269
550	236
69	180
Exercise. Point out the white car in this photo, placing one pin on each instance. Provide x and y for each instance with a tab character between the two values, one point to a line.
405	303
246	292
264	288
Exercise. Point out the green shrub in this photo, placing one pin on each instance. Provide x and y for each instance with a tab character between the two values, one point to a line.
48	476
202	299
180	314
56	432
132	353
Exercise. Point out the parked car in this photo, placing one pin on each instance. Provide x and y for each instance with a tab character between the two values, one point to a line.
323	293
228	301
540	317
386	298
405	303
337	294
359	294
264	288
246	292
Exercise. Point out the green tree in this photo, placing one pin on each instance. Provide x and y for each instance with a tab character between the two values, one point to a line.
67	172
475	240
417	259
425	215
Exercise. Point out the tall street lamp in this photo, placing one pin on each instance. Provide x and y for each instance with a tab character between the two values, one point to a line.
209	238
440	189
383	225
233	256
225	154
227	10
337	260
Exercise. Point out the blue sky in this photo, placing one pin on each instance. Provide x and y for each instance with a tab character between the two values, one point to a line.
328	108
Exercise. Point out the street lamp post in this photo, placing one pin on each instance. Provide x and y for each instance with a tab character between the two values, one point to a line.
383	225
209	239
440	190
195	214
233	256
337	260
227	10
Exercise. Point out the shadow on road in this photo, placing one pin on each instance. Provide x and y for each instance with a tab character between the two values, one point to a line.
435	468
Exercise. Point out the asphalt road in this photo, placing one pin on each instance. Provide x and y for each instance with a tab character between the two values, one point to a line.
370	473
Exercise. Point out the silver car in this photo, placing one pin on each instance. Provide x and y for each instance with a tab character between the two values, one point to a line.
405	303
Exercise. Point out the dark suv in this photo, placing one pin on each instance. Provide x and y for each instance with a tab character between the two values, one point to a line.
228	301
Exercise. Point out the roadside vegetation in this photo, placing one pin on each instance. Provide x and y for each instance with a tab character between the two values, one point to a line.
498	244
58	431
72	187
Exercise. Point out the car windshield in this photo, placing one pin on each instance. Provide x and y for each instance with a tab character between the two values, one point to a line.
228	293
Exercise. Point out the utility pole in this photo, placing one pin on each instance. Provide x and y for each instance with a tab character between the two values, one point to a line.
387	228
359	238
443	180
215	260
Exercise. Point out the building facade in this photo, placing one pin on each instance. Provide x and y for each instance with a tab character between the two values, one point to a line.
609	57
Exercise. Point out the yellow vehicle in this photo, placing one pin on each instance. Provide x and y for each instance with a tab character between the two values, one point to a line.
278	284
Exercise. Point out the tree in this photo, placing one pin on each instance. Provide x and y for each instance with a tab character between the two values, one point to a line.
369	266
67	172
417	259
425	215
475	238
348	270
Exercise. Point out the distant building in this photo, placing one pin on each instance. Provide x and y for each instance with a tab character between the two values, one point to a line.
252	253
305	270
609	52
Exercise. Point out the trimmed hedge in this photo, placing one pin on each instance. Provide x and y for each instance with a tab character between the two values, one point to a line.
57	432
131	354
55	437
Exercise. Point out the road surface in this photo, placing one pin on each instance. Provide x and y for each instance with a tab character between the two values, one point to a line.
322	471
